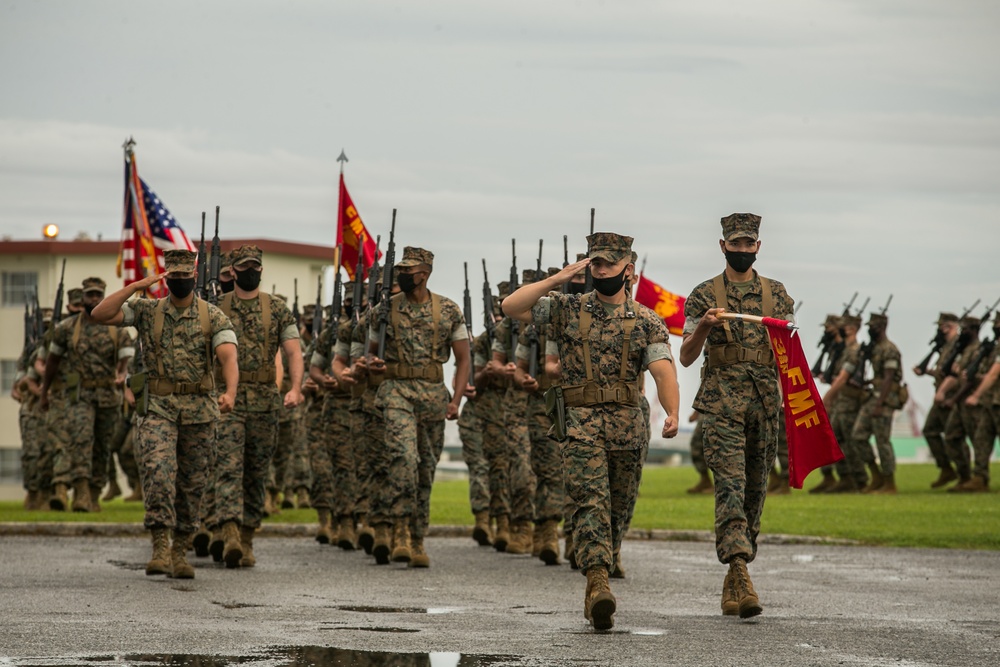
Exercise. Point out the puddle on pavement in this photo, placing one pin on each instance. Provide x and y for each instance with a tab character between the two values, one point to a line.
367	609
296	656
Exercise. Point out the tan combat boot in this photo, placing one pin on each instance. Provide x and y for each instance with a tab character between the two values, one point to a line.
323	529
180	568
876	481
366	536
827	485
246	542
31	500
730	600
617	569
845	485
136	495
113	491
232	549
201	541
749	603
536	541
782	488
976	484
218	545
159	563
599	603
520	538
481	531
383	538
888	484
81	496
549	538
302	500
347	538
60	498
95	498
502	536
401	542
287	500
946	476
704	485
418	556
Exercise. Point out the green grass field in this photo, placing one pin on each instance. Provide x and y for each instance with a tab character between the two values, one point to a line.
916	517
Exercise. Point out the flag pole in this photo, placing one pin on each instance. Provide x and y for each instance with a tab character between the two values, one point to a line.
342	159
757	319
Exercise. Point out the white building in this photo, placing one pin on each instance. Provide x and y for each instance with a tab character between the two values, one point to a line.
27	266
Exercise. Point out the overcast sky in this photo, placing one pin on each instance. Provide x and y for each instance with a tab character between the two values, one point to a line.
865	133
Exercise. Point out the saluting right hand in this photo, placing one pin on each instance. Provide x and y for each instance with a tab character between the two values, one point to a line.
148	281
570	270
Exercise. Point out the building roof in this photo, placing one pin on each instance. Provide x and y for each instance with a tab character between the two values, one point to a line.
303	250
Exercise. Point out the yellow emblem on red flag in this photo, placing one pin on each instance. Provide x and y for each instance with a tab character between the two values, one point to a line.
666	304
352	235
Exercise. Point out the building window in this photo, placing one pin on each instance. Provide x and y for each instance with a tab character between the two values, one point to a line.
19	287
8	369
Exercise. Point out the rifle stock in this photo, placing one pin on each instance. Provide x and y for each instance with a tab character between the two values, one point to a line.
215	265
387	269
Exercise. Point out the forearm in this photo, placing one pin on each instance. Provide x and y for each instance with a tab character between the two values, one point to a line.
692	346
109	310
226	354
317	374
667	389
988	381
519	304
884	386
296	367
51	370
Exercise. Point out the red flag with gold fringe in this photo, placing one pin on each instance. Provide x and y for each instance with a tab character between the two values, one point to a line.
352	235
811	442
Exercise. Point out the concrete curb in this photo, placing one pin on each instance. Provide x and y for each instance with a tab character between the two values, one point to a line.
91	529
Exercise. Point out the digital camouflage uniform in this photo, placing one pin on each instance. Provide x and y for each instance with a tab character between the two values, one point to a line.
605	441
962	421
740	402
31	422
366	419
934	423
176	436
321	491
884	356
247	436
90	354
989	421
843	412
289	470
470	432
414	407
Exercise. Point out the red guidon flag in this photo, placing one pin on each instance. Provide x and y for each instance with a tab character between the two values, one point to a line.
667	305
352	235
811	443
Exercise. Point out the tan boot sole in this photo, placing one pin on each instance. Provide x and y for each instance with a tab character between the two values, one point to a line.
602	611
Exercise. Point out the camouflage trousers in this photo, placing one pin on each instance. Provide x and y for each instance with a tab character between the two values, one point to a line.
958	432
868	425
123	447
366	446
546	462
507	448
470	431
339	440
289	469
602	486
698	449
174	461
321	493
934	425
89	430
983	441
740	450
31	425
852	465
245	443
405	466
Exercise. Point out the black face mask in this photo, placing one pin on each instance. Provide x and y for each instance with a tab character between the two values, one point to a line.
610	286
577	288
227	286
740	261
89	308
967	335
180	287
874	332
349	310
407	282
248	280
842	332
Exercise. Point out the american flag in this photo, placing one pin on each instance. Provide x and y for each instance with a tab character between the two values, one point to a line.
148	228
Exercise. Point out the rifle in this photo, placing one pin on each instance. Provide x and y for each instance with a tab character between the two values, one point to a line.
973	379
515	328
858	377
29	331
215	265
338	300
489	320
467	311
589	281
383	313
937	343
359	288
295	304
847	306
960	345
373	293
318	314
57	308
202	268
565	287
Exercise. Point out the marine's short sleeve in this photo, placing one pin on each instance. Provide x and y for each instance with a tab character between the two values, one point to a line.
222	328
695	307
60	338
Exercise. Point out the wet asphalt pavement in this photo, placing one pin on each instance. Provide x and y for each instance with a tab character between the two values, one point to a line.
86	600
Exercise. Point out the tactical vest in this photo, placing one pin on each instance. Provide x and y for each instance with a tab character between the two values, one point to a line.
267	374
405	369
731	352
590	392
160	385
